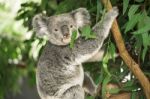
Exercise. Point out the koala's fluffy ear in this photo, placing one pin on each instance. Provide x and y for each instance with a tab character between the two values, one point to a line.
81	16
40	25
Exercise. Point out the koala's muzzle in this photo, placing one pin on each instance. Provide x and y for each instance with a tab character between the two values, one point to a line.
65	31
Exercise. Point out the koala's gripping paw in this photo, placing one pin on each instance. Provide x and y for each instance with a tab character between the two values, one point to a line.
113	13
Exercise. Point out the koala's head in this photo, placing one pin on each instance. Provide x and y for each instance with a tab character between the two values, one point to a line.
59	28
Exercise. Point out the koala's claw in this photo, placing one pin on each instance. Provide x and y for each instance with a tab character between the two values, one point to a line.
114	12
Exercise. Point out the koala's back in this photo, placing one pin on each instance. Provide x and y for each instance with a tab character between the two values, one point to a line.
55	77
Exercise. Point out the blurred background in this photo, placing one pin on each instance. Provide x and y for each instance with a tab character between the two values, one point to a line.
20	49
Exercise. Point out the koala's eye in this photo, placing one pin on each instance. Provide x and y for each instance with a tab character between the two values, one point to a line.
56	29
71	26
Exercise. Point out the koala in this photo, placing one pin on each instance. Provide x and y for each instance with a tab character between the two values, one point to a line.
60	74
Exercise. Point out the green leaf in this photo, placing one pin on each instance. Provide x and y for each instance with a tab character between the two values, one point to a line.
114	90
73	38
104	84
101	77
53	4
112	50
90	97
129	83
105	66
64	6
132	11
145	38
86	32
143	24
132	22
144	53
144	29
143	32
99	10
139	1
105	62
129	88
134	94
147	73
125	5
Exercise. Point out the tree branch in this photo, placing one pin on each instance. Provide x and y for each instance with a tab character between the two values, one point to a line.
132	65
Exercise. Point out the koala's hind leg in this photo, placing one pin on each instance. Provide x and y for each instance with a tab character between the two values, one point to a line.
89	85
75	92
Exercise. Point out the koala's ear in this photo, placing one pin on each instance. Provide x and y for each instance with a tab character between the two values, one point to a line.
40	25
81	16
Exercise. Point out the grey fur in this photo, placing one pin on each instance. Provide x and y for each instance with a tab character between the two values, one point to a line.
59	73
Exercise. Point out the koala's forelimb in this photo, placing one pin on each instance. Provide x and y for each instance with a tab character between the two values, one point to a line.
98	56
88	48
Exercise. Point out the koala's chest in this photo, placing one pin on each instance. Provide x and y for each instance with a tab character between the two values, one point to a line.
77	74
75	77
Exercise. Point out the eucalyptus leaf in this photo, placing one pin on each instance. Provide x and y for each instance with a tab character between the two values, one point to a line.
134	94
125	5
114	90
139	1
112	50
144	53
132	22
99	10
142	30
105	62
132	11
145	38
143	24
130	88
73	38
87	33
107	79
129	83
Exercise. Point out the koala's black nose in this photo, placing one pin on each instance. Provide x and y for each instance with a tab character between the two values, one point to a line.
65	31
66	35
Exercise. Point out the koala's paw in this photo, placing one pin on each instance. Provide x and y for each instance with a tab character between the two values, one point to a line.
113	13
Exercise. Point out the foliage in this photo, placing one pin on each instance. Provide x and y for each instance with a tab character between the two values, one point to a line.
73	38
15	61
87	32
134	19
